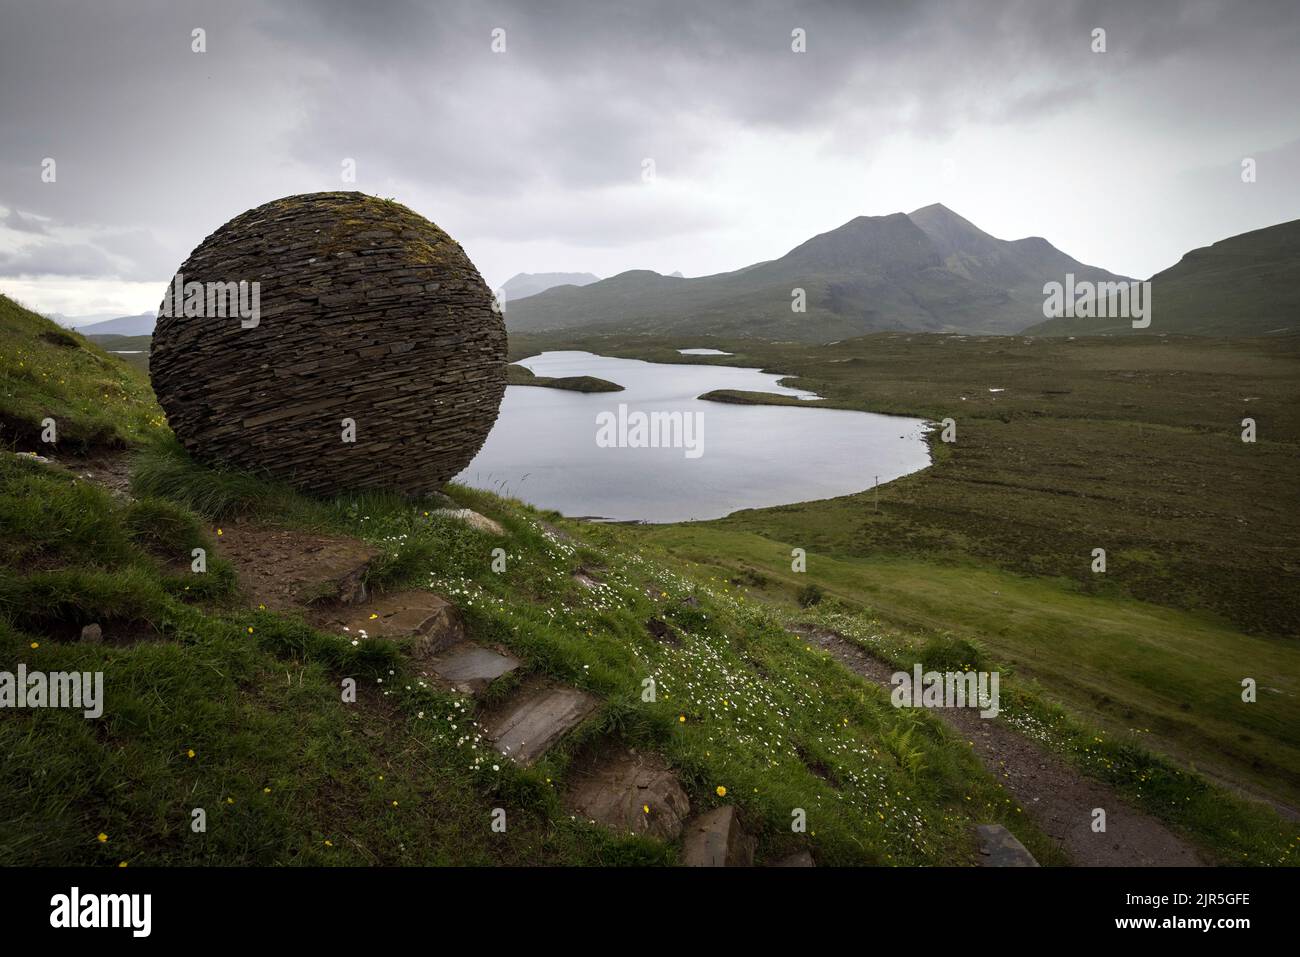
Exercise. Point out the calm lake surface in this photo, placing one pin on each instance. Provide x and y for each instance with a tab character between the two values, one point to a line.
544	448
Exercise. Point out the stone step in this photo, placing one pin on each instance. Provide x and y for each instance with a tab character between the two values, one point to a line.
429	618
286	569
999	848
715	839
470	668
630	792
526	725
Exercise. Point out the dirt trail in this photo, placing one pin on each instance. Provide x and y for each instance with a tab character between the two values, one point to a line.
110	469
1059	798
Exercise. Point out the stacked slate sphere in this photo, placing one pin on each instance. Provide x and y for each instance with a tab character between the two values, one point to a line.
368	313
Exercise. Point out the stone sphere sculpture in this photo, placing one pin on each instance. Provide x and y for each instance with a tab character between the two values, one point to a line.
332	340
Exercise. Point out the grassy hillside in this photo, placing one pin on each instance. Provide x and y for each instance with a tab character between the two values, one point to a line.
216	703
133	350
1246	285
47	371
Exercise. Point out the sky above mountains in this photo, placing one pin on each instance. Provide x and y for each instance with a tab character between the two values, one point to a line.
535	157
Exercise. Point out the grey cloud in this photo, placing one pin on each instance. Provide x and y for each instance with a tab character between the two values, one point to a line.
24	224
58	259
157	146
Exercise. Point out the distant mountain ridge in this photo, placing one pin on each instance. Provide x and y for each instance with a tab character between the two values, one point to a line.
1245	285
524	284
141	325
927	271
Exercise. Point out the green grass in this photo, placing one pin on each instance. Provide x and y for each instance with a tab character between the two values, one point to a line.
47	372
1239	831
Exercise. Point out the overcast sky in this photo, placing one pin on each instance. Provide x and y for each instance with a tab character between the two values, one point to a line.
533	157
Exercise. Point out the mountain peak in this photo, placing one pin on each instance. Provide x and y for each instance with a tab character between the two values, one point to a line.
952	234
881	241
939	217
935	209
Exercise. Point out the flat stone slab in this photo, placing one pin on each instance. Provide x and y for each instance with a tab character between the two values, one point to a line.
627	792
473	519
288	569
999	848
715	839
429	618
530	723
470	668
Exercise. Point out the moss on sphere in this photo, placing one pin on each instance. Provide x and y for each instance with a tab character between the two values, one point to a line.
367	313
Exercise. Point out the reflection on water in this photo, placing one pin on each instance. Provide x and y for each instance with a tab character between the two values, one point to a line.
543	448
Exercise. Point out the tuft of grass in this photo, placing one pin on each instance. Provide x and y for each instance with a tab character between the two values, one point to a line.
809	595
163	469
946	653
61	601
163	526
47	516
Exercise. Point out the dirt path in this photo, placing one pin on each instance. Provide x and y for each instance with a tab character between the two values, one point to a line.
112	470
1059	798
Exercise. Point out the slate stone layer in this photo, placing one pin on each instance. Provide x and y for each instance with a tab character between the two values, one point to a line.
368	311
